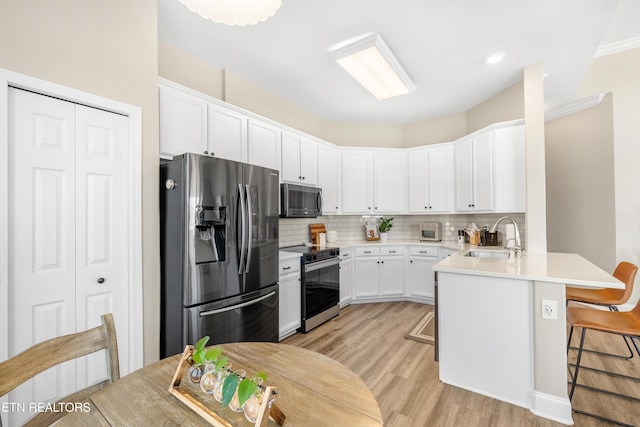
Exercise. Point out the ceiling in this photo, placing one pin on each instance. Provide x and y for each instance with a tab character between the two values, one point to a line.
441	44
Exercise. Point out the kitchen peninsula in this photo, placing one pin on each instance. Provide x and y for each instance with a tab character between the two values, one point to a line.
494	336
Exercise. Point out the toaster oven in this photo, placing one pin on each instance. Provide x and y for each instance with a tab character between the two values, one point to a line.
430	232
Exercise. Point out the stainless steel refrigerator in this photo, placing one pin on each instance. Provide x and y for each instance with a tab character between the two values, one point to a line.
219	252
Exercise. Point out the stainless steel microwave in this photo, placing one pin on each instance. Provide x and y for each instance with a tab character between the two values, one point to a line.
299	201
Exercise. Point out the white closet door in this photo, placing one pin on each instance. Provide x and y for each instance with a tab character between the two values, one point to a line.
101	231
68	228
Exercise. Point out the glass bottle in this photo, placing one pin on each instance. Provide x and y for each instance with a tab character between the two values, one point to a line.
208	380
221	375
252	405
235	404
195	373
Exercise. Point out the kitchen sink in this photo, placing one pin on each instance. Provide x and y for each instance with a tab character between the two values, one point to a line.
488	254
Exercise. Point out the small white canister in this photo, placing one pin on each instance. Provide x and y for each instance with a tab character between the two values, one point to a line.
332	236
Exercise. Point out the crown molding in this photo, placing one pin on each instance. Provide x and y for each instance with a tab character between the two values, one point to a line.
574	107
608	49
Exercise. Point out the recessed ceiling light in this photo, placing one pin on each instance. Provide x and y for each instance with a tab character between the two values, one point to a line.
494	58
370	61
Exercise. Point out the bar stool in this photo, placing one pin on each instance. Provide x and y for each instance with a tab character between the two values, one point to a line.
626	273
625	323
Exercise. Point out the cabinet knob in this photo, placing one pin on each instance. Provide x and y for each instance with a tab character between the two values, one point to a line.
101	280
287	268
206	152
382	262
376	208
429	207
303	177
411	261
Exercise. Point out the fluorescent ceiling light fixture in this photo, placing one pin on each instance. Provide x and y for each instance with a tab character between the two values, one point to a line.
234	12
495	58
370	61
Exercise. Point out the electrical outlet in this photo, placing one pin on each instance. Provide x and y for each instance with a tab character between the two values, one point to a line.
549	309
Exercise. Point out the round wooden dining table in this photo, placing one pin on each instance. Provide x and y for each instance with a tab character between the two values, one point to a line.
312	390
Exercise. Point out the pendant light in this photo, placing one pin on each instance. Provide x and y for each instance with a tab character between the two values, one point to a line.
234	12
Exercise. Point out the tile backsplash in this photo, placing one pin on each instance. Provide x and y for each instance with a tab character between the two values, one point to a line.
294	231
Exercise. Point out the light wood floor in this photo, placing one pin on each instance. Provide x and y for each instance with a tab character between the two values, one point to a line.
401	373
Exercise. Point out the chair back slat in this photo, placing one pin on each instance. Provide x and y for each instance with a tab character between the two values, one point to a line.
52	352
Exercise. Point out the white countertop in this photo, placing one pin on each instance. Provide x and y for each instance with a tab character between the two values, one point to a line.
569	269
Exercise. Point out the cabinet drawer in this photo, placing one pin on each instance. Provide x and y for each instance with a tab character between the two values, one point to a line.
291	265
368	251
392	250
424	251
346	253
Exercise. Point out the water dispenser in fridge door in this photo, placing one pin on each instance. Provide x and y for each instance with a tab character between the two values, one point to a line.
209	234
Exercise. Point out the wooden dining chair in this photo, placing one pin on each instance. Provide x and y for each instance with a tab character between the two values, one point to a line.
610	298
625	323
47	354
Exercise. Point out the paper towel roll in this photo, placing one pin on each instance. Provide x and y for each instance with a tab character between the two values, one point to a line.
323	239
509	236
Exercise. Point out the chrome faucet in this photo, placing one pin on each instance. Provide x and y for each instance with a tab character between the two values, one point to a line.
517	249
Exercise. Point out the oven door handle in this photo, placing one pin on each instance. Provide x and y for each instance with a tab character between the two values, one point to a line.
233	307
321	264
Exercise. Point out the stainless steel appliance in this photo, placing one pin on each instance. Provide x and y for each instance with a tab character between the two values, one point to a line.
430	231
320	284
219	252
299	201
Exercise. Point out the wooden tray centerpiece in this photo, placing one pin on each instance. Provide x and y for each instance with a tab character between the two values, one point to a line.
266	411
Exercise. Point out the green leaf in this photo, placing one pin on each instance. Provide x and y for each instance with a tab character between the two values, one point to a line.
221	362
262	375
229	389
198	357
202	342
212	354
245	390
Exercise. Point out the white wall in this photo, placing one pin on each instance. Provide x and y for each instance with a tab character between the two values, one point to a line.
107	48
580	178
619	74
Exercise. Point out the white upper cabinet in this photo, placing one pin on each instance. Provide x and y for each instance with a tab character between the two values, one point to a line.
372	181
194	123
329	178
183	122
489	170
227	134
430	183
299	159
357	181
263	144
388	185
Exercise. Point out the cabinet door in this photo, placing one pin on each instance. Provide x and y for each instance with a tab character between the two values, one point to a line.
464	175
329	178
346	281
357	181
290	171
418	182
309	161
440	179
289	304
227	134
420	277
263	144
391	275
367	277
183	123
387	182
482	172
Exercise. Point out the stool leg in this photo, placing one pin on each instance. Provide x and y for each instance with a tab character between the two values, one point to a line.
575	373
569	340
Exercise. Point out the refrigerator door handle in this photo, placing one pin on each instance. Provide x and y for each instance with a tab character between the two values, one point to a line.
243	228
249	226
233	307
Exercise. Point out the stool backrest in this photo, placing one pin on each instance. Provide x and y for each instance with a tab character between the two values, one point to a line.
626	273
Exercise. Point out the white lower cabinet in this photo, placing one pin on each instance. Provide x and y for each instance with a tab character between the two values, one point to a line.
346	276
419	278
290	297
379	272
